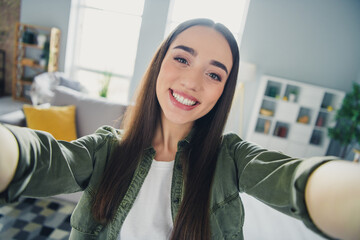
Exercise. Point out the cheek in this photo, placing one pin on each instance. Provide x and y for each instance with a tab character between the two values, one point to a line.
212	99
216	94
164	78
161	79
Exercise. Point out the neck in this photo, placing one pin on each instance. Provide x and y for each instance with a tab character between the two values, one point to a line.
167	136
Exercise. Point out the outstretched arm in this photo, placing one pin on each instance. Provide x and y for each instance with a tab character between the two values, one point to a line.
9	156
332	196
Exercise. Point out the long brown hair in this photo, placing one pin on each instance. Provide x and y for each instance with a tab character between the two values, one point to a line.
199	161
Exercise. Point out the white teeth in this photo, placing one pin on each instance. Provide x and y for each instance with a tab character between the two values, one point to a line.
183	100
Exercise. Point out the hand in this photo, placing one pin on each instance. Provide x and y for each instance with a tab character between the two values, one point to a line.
9	157
332	196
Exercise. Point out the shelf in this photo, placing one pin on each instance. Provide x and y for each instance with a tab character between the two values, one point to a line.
304	116
36	28
263	126
322	119
327	111
33	45
298	124
270	99
267	108
320	128
291	93
25	82
330	102
26	62
273	89
317	137
36	66
281	129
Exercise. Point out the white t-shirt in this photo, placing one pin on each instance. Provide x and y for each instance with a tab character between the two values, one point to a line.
150	216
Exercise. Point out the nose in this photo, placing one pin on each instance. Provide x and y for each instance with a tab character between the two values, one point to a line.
192	80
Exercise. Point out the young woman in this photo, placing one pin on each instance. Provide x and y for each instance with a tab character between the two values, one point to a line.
170	173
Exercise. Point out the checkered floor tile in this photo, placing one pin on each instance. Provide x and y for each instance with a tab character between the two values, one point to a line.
38	219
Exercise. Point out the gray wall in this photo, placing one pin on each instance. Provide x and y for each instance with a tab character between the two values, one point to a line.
312	41
48	13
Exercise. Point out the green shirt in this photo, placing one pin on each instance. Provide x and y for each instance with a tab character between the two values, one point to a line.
48	167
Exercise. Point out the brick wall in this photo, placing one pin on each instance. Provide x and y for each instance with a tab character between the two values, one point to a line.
9	15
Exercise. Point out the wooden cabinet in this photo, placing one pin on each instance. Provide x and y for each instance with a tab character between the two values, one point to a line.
293	117
36	51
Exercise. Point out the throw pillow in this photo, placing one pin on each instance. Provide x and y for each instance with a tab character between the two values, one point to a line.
91	112
57	120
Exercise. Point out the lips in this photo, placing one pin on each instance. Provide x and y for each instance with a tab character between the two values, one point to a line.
182	100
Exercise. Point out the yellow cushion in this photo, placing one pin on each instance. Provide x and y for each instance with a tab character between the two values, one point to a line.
59	121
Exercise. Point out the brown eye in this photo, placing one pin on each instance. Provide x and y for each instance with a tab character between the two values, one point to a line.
181	60
215	76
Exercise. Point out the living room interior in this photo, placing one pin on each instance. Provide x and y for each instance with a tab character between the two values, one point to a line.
309	46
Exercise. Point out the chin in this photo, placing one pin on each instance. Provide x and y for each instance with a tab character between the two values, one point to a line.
178	119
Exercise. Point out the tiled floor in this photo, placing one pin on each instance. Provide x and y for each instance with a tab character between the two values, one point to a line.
38	219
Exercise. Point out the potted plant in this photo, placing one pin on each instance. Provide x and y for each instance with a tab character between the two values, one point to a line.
347	129
105	84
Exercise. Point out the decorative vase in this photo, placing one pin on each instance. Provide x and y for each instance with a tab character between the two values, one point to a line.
41	39
292	97
357	155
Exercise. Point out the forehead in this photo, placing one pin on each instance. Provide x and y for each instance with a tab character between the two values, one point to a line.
206	41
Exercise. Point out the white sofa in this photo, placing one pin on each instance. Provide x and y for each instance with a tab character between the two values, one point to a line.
91	112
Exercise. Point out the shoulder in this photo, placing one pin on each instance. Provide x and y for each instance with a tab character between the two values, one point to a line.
231	137
235	144
110	131
231	140
102	137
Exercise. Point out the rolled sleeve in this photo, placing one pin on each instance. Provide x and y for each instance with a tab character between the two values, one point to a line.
276	179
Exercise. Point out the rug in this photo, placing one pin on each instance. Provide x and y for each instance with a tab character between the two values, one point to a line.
38	219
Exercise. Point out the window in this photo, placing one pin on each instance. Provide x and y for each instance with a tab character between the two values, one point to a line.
106	40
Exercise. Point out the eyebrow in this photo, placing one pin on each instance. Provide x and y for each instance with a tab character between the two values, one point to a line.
186	49
194	53
220	65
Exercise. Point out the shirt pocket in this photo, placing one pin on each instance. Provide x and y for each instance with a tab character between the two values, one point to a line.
82	219
227	218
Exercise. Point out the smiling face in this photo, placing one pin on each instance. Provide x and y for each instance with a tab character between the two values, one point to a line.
193	75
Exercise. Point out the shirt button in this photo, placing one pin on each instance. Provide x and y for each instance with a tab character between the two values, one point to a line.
176	200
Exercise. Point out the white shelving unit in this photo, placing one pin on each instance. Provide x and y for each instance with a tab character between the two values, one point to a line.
293	117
